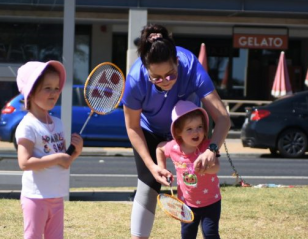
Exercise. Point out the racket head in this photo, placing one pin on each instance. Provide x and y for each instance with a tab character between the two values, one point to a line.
104	88
175	208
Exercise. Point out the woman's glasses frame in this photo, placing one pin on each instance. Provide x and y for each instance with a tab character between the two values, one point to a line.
170	77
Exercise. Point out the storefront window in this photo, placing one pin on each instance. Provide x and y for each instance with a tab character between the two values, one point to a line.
22	42
226	66
81	58
119	50
239	72
236	73
262	65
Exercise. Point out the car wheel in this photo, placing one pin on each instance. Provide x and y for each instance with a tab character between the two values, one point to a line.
292	143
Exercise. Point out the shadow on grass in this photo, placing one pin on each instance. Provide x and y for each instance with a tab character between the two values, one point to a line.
87	195
102	196
83	195
116	196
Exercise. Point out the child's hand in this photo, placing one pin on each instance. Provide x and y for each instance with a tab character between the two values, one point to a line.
77	141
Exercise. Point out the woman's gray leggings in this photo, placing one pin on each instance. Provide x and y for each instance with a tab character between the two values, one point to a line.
143	212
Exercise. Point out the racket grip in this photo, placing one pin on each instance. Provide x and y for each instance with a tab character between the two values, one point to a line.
70	149
169	180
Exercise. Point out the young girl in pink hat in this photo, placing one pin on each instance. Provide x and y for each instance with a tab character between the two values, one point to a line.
200	191
41	150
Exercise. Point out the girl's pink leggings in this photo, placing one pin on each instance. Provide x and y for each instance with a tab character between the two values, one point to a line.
43	217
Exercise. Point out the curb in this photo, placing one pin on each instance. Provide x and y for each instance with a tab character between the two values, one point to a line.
112	152
233	143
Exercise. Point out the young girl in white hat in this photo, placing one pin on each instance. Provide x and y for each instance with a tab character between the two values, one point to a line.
41	150
200	191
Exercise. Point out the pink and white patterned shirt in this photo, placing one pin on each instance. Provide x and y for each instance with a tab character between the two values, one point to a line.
194	189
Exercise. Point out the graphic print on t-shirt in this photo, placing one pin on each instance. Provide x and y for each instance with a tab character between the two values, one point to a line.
56	141
189	176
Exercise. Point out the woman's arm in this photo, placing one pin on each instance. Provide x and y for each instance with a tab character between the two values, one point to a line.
216	109
137	139
162	160
160	155
213	169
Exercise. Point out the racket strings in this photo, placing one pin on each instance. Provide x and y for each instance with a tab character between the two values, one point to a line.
175	208
104	89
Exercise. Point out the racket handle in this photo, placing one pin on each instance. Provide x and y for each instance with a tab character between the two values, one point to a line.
70	149
169	180
170	185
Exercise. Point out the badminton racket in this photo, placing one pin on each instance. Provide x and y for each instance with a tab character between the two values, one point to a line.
174	207
103	91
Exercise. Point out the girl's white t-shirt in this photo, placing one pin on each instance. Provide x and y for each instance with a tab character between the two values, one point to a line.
51	182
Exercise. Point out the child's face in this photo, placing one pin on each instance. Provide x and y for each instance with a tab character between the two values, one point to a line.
48	92
193	132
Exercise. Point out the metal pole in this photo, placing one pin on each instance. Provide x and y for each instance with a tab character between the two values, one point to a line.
68	60
137	20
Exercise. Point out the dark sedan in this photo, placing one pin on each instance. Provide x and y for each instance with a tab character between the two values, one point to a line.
281	126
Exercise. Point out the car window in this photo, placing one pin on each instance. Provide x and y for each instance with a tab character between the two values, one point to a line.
301	104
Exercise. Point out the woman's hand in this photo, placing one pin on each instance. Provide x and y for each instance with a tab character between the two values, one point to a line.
161	174
205	161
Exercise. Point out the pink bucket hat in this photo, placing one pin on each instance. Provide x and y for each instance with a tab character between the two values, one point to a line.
28	73
182	108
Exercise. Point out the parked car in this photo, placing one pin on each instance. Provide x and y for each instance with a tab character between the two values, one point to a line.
101	131
281	126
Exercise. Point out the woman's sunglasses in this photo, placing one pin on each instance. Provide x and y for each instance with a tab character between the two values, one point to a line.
159	80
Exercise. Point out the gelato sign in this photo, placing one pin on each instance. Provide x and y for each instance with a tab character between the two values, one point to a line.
255	41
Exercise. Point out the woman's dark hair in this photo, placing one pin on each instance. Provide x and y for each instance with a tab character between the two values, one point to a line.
156	50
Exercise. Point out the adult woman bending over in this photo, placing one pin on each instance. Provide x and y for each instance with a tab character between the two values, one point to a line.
160	77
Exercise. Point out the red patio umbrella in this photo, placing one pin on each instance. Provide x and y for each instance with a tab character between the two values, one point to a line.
202	57
306	79
282	86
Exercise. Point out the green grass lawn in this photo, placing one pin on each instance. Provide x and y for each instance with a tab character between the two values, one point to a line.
267	213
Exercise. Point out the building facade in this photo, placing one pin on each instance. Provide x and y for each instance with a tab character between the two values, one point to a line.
243	38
